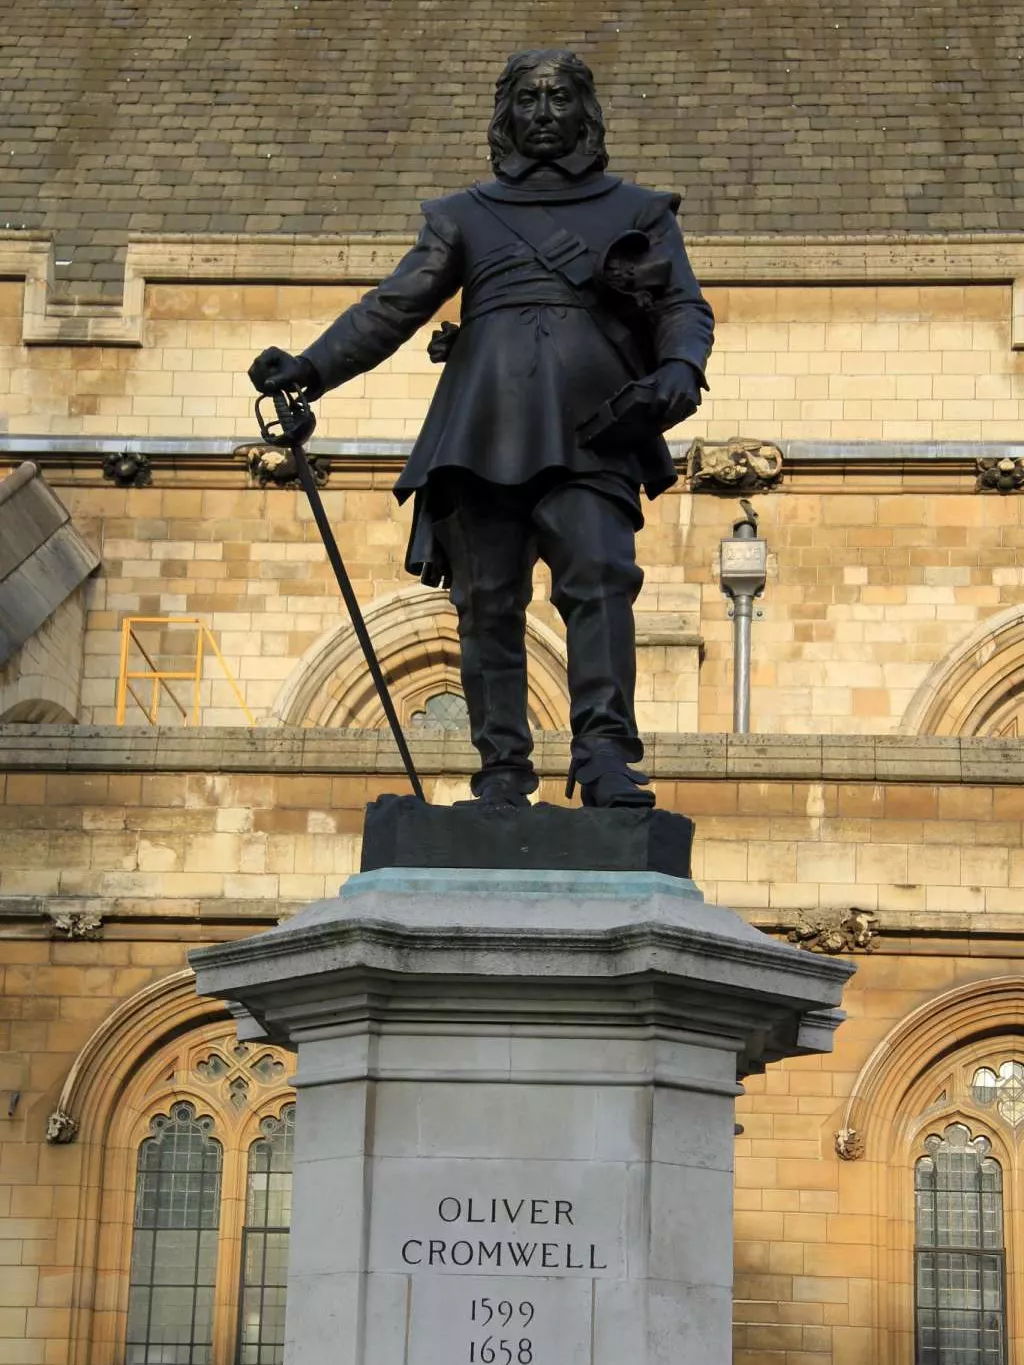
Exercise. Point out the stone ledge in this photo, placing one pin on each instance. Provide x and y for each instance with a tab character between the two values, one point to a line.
211	462
207	918
929	759
31	916
486	949
719	259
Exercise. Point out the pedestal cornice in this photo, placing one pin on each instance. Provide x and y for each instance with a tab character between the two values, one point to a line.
512	953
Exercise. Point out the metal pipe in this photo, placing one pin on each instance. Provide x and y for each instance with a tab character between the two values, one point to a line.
743	609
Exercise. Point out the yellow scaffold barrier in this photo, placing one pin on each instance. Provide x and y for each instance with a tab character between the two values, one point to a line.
159	678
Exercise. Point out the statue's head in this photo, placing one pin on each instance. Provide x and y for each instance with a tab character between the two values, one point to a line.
545	106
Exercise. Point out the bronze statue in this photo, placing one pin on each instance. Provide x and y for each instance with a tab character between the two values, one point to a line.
583	337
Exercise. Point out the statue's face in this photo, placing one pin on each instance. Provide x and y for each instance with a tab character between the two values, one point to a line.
547	114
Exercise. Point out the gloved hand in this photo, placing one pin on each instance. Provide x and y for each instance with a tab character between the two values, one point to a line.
678	392
439	347
274	371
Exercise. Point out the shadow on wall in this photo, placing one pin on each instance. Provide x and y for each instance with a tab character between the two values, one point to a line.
36	712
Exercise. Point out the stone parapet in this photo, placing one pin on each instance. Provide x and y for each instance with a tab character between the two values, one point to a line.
948	760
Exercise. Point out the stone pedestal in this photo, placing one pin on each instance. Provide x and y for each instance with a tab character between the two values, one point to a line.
515	1118
402	831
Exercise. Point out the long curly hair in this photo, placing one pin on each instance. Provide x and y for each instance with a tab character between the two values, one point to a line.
499	134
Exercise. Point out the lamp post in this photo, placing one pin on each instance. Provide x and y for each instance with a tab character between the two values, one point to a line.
743	573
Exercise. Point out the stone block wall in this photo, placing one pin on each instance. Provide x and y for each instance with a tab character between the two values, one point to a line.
137	822
876	573
871	585
869	361
138	834
55	994
893	591
817	1281
810	1236
155	841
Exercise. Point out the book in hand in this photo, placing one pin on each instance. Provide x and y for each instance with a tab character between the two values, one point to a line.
626	420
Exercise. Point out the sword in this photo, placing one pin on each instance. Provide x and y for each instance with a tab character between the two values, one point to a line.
294	425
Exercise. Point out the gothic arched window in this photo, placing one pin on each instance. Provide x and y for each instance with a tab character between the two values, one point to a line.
268	1216
174	1242
442	711
208	1205
960	1297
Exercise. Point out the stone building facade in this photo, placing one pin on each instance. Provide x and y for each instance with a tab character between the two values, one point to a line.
853	212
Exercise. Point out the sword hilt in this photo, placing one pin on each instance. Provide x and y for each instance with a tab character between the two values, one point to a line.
295	420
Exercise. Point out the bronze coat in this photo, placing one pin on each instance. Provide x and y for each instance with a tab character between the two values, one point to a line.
531	361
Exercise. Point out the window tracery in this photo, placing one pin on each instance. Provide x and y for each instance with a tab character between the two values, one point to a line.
442	711
207	1204
1002	1088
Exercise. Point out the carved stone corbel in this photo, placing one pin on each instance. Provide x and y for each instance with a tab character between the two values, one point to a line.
733	466
76	924
61	1128
1001	475
271	467
128	469
850	1145
857	930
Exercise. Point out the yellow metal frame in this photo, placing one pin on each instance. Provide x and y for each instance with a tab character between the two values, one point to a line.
161	677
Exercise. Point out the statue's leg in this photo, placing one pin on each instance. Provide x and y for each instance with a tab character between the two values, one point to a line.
488	540
588	541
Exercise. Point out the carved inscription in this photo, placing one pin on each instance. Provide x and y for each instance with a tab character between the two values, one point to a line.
485	1320
501	1281
501	1316
512	1240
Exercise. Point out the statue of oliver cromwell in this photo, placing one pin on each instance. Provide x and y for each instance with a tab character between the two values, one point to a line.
583	337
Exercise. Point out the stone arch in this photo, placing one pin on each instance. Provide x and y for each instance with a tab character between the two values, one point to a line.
886	1091
978	688
79	1127
892	1107
138	1027
415	634
112	1086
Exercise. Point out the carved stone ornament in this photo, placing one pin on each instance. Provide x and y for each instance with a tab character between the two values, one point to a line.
1004	475
850	1145
61	1127
273	468
128	469
76	924
855	931
734	466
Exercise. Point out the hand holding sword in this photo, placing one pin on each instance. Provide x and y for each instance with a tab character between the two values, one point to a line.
283	378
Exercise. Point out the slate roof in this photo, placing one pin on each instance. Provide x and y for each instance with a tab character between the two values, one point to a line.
120	116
